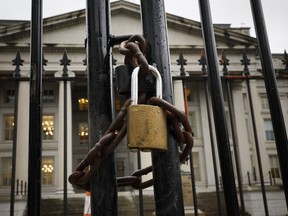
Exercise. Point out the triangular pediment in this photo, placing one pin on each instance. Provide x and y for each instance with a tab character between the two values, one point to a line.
69	29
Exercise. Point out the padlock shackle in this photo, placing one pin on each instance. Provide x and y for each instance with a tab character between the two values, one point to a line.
134	83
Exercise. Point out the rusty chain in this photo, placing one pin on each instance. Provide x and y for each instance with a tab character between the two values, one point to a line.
134	50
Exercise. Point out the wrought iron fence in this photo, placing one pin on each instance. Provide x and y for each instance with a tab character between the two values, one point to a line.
168	198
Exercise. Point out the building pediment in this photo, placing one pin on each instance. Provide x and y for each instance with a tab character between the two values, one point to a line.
62	28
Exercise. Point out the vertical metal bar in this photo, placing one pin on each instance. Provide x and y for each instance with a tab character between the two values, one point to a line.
25	188
272	91
65	62
270	178
212	147
17	187
257	148
192	174
218	111
166	165
249	180
103	183
141	209
35	121
65	208
21	187
14	150
235	144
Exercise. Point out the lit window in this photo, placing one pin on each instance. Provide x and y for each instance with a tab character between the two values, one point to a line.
48	127
48	96
117	104
5	171
8	127
269	133
274	165
83	104
10	96
83	132
47	171
191	93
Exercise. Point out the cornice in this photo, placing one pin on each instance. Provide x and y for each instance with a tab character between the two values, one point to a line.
197	50
46	49
80	48
65	24
121	11
48	26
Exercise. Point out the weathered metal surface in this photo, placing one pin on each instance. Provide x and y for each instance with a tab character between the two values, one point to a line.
222	137
35	121
272	91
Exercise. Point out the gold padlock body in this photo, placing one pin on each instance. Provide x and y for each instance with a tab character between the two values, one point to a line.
147	128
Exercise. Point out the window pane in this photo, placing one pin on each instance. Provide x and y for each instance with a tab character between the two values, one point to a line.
192	121
48	127
269	133
8	128
83	132
264	103
83	104
48	96
47	171
274	165
196	166
10	96
120	168
6	170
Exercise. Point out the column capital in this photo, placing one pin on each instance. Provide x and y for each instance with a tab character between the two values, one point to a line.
60	73
25	73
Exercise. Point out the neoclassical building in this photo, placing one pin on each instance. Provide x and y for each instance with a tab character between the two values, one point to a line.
66	33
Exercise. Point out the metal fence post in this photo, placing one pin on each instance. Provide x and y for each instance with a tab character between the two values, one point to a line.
65	62
218	111
259	161
103	183
166	166
235	142
272	91
18	62
35	121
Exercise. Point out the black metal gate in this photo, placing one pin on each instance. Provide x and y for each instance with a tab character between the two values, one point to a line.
168	198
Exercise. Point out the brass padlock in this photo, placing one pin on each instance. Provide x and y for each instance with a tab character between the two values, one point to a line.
147	124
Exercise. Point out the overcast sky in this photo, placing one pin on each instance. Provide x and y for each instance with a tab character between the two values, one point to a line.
235	12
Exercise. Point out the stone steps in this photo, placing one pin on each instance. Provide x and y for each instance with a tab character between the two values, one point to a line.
207	202
128	205
54	206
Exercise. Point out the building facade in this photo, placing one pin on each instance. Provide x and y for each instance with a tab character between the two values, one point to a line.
66	33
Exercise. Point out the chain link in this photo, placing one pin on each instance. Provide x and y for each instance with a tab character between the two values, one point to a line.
134	50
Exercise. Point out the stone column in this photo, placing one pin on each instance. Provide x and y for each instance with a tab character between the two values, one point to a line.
60	167
22	132
208	154
179	103
243	138
179	95
260	132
